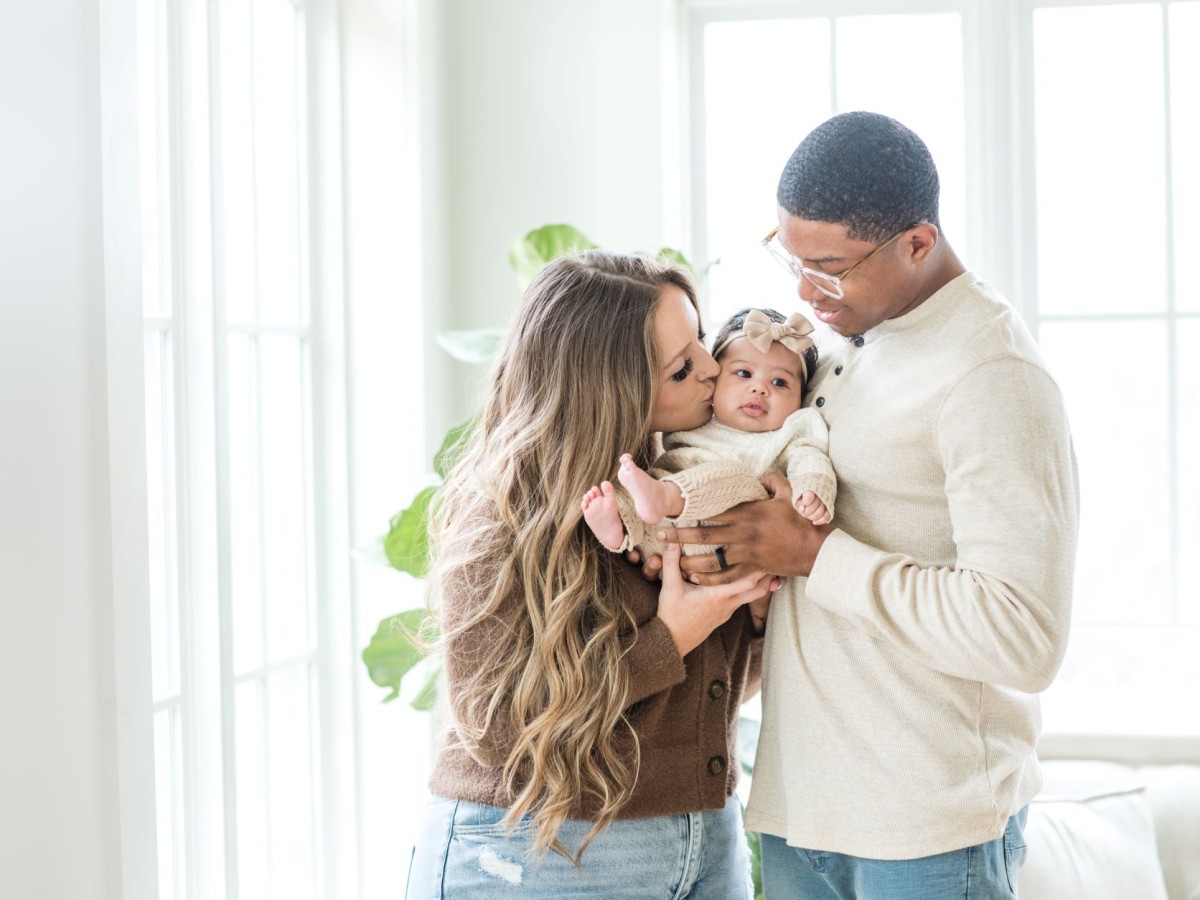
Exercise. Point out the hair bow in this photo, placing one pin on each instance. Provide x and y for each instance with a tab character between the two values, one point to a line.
793	333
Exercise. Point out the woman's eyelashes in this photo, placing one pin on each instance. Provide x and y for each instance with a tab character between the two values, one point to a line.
685	371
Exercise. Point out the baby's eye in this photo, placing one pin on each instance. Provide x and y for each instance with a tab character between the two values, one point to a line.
779	382
741	373
684	372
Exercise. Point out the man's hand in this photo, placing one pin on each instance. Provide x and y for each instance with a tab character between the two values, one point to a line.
763	536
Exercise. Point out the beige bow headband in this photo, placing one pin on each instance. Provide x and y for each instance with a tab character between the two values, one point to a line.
761	332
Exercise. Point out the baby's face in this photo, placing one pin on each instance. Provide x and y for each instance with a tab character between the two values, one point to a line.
757	391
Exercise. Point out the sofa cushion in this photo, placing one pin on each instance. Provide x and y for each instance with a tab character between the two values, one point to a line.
1093	842
1173	792
1174	796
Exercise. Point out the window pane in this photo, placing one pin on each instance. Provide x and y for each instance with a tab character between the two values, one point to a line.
245	520
160	519
168	800
278	137
290	722
1188	405
871	50
1100	159
286	495
1185	136
252	765
237	162
1126	681
1114	379
153	185
754	118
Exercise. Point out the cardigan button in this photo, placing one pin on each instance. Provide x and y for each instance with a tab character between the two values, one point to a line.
820	402
859	341
716	690
716	765
837	371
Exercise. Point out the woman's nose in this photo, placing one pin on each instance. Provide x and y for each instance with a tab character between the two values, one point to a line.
707	368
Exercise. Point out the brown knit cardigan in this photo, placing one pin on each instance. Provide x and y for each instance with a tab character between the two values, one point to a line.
684	711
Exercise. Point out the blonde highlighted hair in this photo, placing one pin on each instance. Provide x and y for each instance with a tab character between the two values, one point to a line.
572	389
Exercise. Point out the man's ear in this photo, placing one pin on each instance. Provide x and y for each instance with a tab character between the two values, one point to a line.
920	240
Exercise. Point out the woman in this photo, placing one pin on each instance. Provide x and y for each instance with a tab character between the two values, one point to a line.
578	726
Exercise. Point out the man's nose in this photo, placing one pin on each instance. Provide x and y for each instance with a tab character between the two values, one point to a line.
808	291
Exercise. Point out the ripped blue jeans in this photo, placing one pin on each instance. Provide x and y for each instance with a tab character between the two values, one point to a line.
464	853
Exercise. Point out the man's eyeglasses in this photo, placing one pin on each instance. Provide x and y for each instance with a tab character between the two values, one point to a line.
829	285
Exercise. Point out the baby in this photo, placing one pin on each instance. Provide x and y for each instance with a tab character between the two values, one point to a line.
757	427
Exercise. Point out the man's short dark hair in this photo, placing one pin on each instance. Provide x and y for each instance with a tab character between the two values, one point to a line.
862	170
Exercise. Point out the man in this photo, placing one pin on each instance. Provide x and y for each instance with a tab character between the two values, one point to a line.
899	706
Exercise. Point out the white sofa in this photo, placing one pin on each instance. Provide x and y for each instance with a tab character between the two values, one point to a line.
1118	819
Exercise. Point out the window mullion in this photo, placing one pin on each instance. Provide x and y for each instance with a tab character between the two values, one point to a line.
226	712
190	187
1022	126
1172	324
336	666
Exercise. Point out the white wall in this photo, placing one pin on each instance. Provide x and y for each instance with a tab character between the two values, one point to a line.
553	112
59	826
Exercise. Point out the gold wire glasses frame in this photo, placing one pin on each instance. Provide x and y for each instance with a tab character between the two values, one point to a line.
829	285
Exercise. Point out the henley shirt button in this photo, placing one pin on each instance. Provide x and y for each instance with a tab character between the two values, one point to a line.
837	371
716	765
859	341
716	690
820	401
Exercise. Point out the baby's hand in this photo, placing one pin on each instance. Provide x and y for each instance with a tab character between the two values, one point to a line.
810	506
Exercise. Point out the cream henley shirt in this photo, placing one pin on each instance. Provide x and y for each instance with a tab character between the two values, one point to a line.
900	707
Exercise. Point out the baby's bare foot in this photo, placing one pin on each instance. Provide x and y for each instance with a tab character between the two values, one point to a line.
654	500
600	513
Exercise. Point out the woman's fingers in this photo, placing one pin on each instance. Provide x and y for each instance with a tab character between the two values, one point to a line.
671	576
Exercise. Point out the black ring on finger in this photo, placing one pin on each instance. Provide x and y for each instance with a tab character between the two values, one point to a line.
721	563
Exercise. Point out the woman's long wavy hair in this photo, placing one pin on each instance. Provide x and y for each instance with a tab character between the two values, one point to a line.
572	389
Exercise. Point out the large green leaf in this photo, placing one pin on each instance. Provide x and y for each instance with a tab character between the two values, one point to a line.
427	696
472	345
754	846
528	254
407	544
453	445
393	650
675	258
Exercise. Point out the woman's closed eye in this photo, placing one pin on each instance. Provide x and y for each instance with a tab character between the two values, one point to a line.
684	372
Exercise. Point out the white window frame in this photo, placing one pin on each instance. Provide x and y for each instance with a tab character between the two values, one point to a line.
373	121
209	789
1000	156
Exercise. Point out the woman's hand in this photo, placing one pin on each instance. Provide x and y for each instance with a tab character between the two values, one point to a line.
692	612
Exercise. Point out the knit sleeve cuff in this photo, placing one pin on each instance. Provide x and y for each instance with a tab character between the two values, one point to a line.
842	573
654	661
710	489
822	485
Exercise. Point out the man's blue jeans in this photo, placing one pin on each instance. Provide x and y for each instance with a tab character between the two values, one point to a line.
983	872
